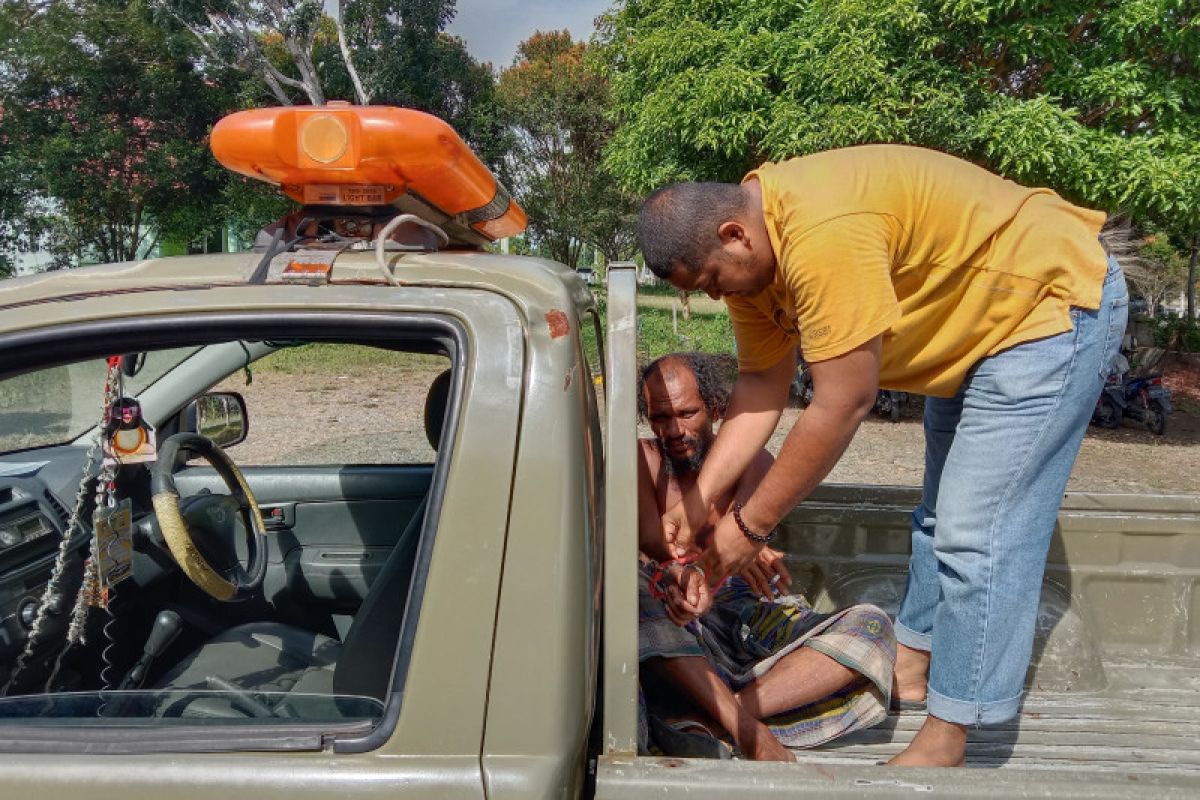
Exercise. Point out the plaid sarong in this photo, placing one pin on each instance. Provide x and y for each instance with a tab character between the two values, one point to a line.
743	637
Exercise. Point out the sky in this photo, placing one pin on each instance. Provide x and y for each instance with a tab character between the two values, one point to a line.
492	29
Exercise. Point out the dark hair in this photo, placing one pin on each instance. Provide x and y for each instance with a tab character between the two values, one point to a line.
678	223
713	375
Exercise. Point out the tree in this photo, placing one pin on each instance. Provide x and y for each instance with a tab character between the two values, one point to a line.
11	205
556	102
241	34
406	58
382	52
104	124
1159	272
1099	101
1193	263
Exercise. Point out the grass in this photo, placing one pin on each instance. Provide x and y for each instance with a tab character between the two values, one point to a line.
341	358
657	335
659	288
707	333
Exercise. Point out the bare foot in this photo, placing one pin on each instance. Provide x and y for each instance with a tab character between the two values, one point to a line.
759	744
911	674
937	744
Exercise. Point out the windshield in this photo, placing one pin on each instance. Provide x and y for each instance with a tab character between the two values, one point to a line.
56	405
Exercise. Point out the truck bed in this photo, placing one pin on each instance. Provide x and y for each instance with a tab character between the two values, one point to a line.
1114	684
1113	690
1139	725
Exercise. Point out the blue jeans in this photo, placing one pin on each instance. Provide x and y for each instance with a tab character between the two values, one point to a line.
997	458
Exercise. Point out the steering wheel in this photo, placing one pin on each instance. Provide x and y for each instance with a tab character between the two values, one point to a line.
213	515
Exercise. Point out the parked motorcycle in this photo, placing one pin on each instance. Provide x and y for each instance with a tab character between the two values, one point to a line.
888	404
1143	399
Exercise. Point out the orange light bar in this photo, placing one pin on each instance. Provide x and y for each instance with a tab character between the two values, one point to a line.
338	154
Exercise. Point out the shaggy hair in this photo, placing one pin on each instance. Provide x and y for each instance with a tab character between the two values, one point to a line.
712	373
678	223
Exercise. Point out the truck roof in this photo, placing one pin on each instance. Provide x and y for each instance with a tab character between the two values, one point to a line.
536	282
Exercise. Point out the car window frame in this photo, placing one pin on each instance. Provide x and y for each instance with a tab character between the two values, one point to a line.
83	340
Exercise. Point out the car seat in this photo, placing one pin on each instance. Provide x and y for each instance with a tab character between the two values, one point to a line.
308	667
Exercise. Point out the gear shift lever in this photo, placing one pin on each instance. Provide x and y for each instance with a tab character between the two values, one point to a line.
166	627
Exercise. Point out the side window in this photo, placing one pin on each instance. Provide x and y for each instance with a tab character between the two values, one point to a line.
160	639
336	404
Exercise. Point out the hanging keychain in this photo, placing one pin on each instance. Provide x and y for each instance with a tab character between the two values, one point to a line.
114	542
130	439
127	439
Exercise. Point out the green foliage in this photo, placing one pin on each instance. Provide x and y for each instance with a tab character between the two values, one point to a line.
273	40
406	58
1176	332
104	122
1160	271
105	109
659	288
658	335
1099	101
555	100
248	205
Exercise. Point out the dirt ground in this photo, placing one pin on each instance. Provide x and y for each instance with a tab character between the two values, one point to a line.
1128	459
376	416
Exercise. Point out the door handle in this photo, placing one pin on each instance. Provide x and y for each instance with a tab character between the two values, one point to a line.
279	517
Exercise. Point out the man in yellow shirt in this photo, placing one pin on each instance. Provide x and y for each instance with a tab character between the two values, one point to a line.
909	269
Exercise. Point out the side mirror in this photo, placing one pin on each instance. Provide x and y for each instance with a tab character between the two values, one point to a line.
220	416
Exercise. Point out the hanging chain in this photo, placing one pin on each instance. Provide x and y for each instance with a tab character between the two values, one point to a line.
93	592
51	595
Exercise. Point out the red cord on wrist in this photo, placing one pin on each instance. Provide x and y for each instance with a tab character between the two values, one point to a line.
660	572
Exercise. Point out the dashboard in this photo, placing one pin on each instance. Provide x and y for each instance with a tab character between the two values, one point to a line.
33	519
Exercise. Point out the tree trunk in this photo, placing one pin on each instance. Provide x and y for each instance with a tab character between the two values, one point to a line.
359	91
276	88
1191	278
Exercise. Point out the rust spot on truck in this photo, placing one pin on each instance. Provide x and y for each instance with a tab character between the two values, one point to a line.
557	321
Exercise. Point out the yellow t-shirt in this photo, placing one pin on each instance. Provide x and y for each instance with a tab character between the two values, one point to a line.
948	261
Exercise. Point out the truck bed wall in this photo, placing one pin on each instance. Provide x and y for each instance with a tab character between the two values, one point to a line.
1120	579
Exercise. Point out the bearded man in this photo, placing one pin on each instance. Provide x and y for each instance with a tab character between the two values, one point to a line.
769	671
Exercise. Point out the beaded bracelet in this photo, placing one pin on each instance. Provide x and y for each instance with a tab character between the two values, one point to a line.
749	534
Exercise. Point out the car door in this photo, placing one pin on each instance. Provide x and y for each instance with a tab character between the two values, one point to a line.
427	734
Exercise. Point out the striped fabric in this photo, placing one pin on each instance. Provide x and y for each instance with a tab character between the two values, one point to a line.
743	637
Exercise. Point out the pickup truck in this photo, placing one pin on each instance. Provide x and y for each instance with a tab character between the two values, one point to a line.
461	625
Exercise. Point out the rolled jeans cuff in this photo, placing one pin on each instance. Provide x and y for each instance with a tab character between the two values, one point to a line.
910	638
963	712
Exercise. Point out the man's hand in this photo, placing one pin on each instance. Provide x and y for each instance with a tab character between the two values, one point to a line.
766	573
688	596
682	524
728	552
